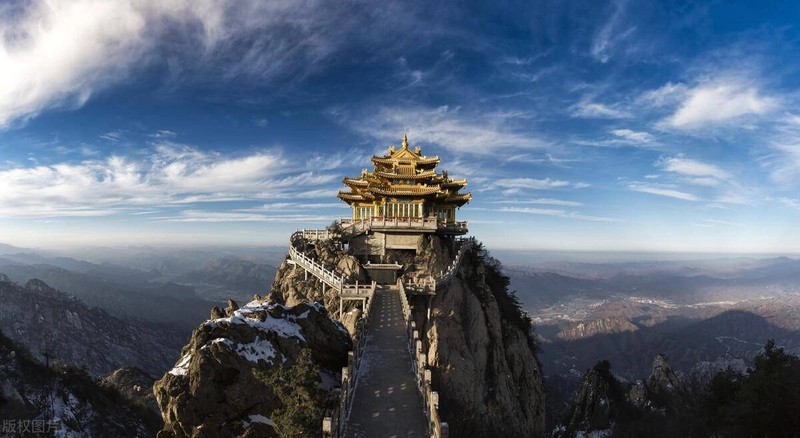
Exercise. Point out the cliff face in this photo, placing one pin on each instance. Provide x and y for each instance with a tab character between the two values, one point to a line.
481	351
221	385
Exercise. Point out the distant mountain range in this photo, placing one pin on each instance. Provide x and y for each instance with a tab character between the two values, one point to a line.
689	311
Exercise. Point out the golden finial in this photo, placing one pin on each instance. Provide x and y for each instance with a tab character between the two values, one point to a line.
405	141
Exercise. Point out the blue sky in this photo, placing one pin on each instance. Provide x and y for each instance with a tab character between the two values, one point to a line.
658	126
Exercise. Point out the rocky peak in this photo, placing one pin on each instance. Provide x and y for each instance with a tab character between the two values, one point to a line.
662	378
214	385
662	390
4	278
37	285
595	403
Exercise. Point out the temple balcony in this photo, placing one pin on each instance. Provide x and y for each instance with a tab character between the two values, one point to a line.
405	224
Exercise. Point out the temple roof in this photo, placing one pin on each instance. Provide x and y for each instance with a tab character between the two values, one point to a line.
405	173
405	155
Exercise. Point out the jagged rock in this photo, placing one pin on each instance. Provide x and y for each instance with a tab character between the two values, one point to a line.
256	297
662	390
594	406
638	394
483	364
213	386
217	313
232	307
4	278
662	378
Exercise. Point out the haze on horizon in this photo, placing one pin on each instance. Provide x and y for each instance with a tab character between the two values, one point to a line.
581	126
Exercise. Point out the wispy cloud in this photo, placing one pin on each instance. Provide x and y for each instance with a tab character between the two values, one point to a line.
661	190
216	216
558	213
611	34
171	175
454	128
530	183
783	161
59	53
635	137
588	109
543	201
719	101
698	173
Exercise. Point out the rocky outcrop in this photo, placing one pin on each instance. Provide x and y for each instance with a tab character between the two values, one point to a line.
481	350
292	286
214	389
662	390
134	384
595	405
52	323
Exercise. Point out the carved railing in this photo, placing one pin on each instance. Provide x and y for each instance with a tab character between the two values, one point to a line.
422	374
430	398
315	234
316	269
333	423
355	226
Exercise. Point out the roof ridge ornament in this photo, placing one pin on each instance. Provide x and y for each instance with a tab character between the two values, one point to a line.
405	141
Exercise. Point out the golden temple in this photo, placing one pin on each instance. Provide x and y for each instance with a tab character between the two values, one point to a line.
404	184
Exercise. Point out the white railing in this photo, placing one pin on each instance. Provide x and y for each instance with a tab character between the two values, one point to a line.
430	398
325	275
333	424
404	301
425	223
355	290
315	234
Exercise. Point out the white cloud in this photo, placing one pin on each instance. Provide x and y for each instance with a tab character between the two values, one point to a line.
593	110
784	161
530	183
790	202
544	201
58	53
558	213
216	216
633	136
172	175
662	191
720	101
699	173
452	128
667	95
609	35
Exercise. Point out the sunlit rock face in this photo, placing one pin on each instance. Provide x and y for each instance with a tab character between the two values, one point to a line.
481	351
213	391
